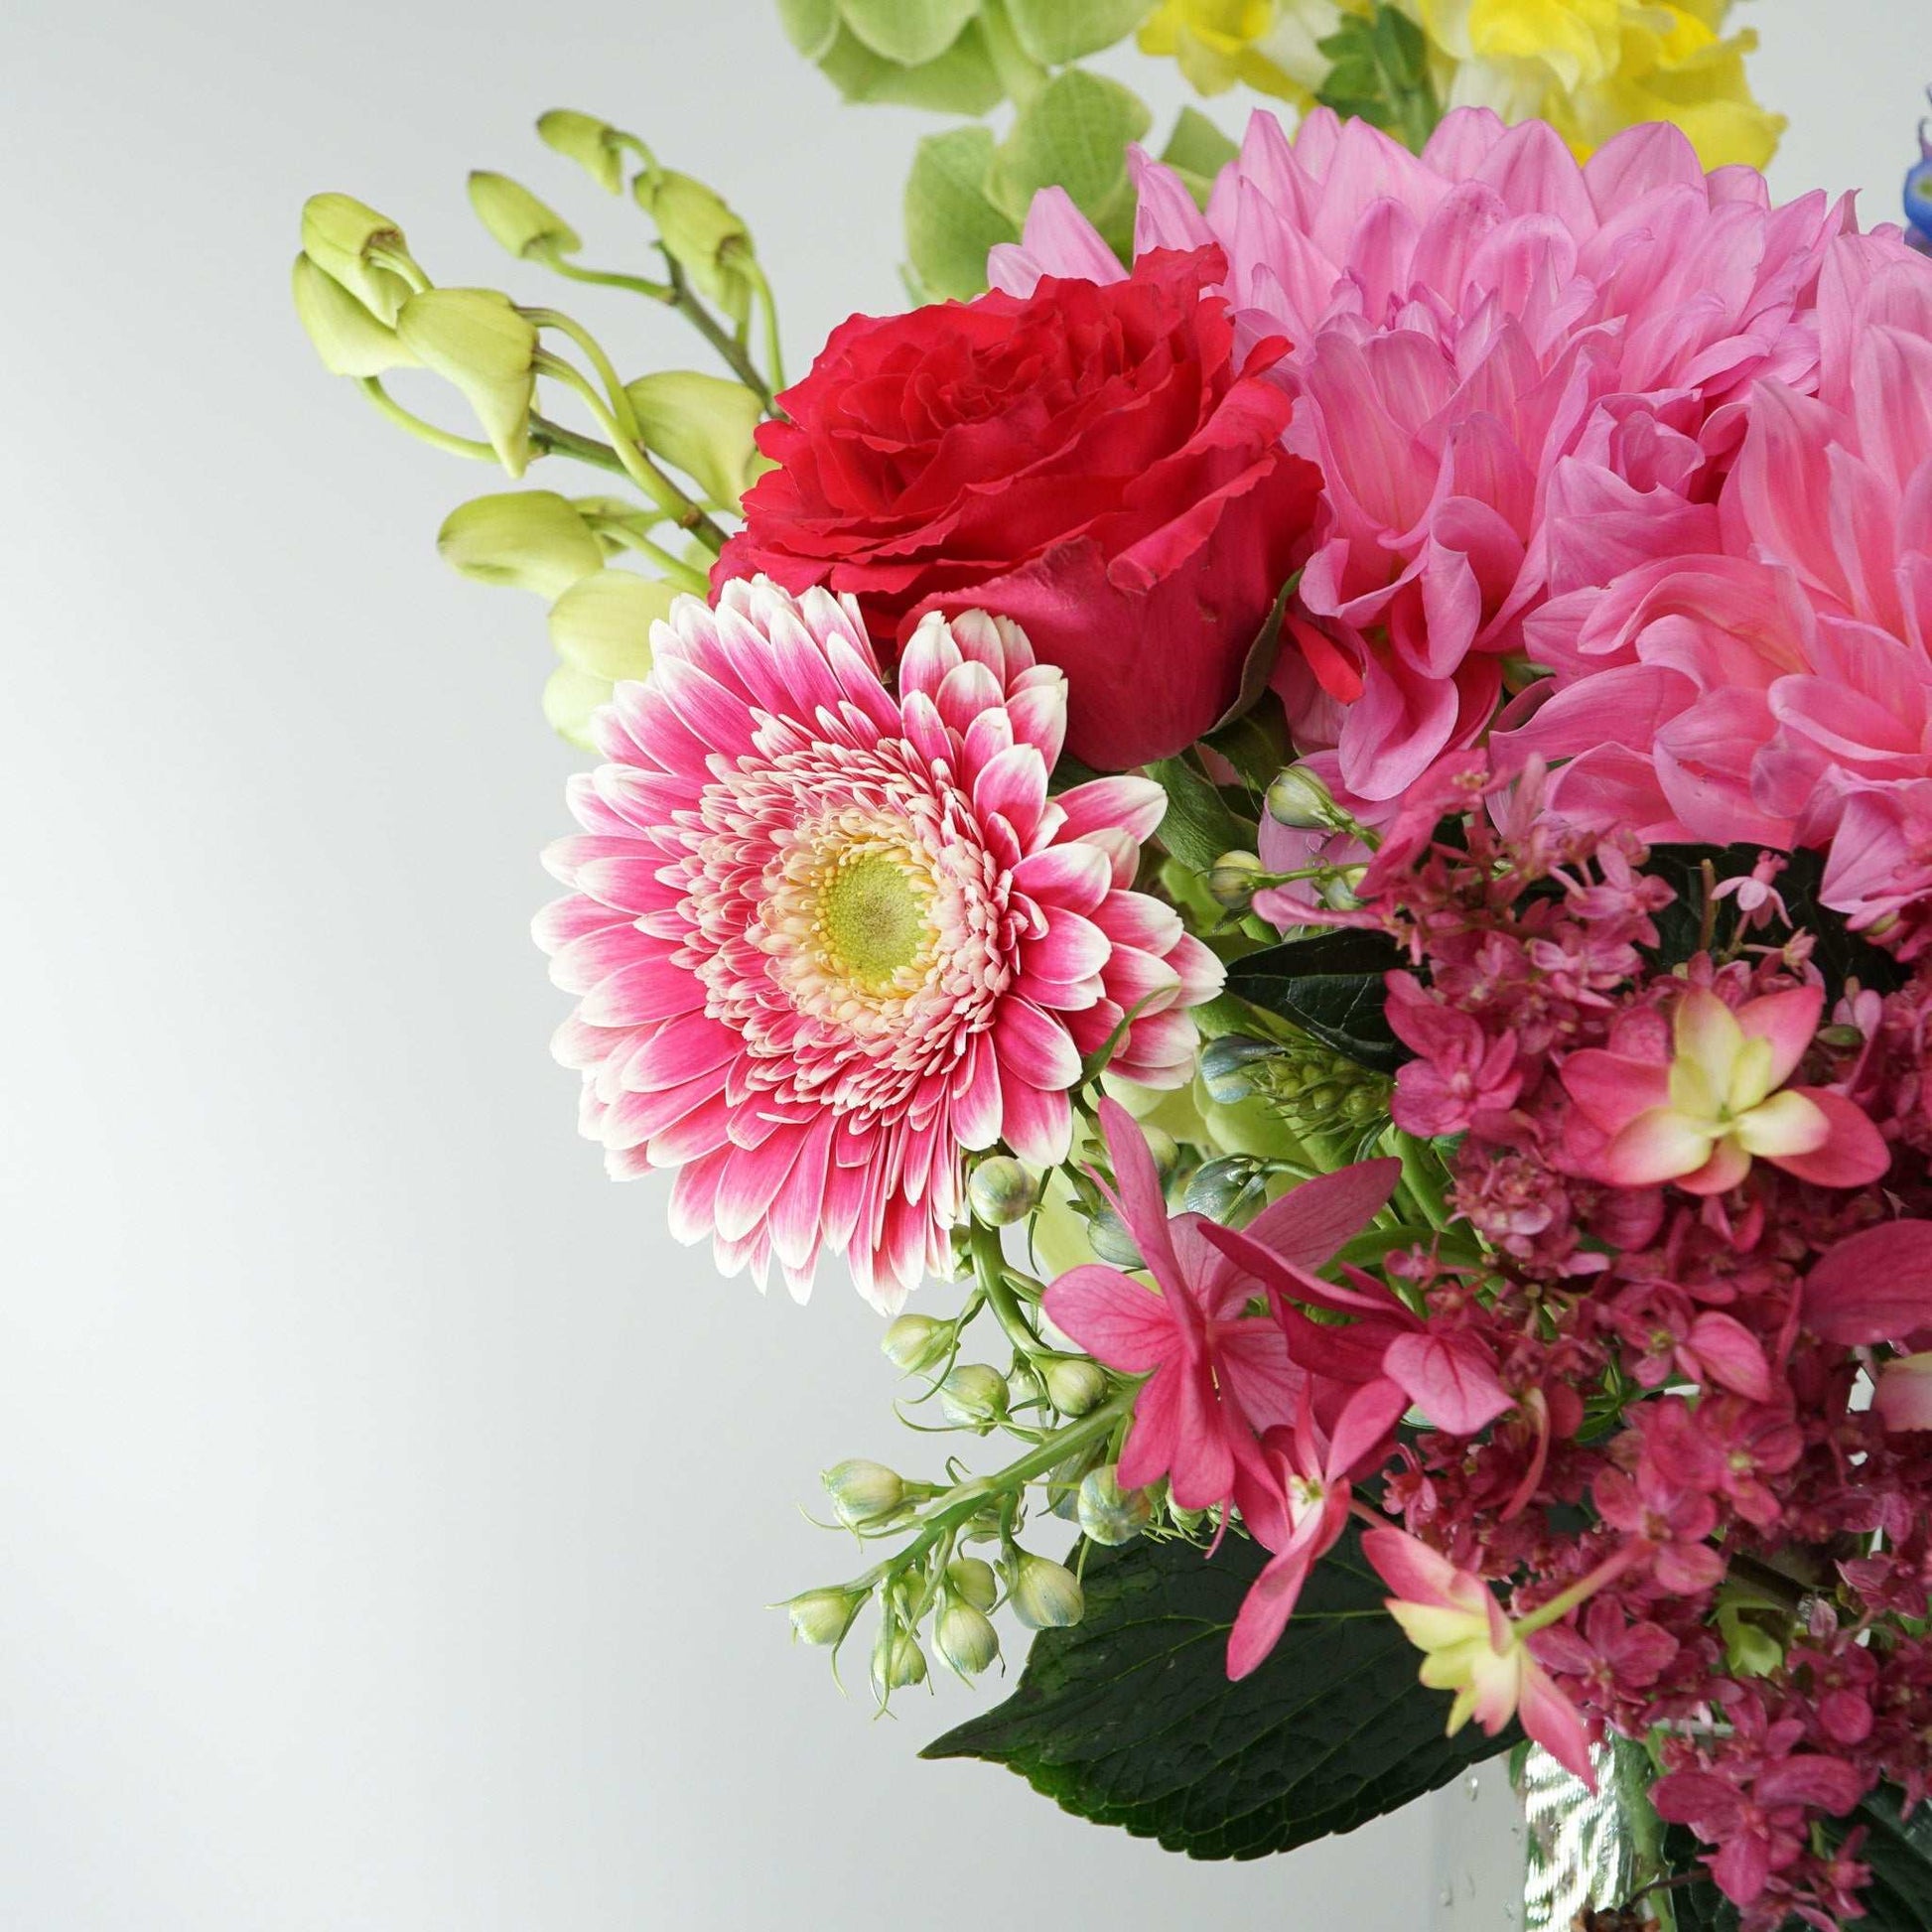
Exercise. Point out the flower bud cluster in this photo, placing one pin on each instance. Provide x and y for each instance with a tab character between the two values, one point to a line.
1307	1085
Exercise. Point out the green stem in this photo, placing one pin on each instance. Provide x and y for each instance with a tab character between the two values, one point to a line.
774	354
971	1497
1422	1176
553	439
990	1266
627	418
728	346
604	277
675	570
1632	1773
438	438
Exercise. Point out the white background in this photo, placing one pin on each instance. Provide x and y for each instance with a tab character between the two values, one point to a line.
386	1506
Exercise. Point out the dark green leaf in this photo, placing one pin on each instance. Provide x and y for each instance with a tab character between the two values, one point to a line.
1196	146
1380	73
1331	986
1129	1719
949	222
1199	826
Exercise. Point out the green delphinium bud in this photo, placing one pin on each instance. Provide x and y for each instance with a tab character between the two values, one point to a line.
528	539
915	1342
897	1662
1045	1595
1339	892
972	1581
1075	1385
701	424
1231	879
966	1639
343	236
348	338
1107	1512
1111	1240
593	145
1001	1191
1234	1066
1299	798
1162	1149
702	235
823	1616
479	341
602	623
520	222
863	1493
973	1396
1222	1190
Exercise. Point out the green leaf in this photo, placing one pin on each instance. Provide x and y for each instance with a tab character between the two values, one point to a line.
1073	134
1380	74
1198	826
908	32
1058	31
1196	146
1898	1850
1331	986
1129	1719
949	222
963	81
810	25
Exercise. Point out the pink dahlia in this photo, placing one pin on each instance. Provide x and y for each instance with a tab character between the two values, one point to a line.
1519	375
829	936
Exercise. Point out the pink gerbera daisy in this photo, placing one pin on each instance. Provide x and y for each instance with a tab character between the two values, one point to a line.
827	936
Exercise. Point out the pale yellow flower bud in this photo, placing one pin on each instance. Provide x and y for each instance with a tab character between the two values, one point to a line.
1231	879
823	1616
341	235
593	144
973	1396
1045	1595
966	1639
1299	798
1002	1191
529	539
602	623
700	424
917	1341
862	1491
350	340
479	341
571	698
1075	1385
1107	1512
897	1662
702	235
520	222
972	1581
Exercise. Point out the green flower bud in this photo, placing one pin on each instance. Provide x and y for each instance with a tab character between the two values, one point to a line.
1233	1066
602	623
863	1493
1075	1385
702	235
596	147
966	1639
917	1341
702	425
897	1662
1162	1147
1299	798
520	222
823	1616
1112	1242
350	340
1231	879
1108	1513
342	236
1001	1191
972	1581
1045	1595
571	699
529	539
479	339
1339	892
973	1396
1221	1189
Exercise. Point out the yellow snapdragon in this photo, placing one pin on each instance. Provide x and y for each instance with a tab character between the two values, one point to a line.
1271	45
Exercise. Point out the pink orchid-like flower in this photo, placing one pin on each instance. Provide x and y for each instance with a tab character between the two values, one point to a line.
1699	1117
1519	376
1469	1647
828	936
1296	1504
1217	1376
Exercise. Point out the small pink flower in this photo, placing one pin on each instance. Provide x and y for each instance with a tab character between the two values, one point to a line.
1701	1117
828	936
1469	1647
1217	1377
1873	1287
1459	1072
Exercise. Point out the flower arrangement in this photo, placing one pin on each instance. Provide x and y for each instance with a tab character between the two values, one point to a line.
1316	791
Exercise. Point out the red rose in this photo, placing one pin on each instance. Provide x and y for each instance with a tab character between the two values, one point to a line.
1090	462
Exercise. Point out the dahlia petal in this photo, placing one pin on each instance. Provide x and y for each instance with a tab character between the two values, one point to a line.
1069	950
572	917
647	989
1075	876
1013	785
1039	1127
704	1129
591	958
1128	805
693	1195
1033	1046
752	1181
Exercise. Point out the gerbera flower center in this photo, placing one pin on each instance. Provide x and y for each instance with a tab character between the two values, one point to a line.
872	917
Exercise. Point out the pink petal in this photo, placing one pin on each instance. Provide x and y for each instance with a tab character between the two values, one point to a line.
1449	1379
1854	1155
1875	1286
1790	1020
1116	1321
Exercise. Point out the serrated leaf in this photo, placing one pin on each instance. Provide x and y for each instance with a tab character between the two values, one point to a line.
950	224
1331	986
963	81
909	33
1196	146
1380	73
1058	31
1072	134
1129	1719
1198	826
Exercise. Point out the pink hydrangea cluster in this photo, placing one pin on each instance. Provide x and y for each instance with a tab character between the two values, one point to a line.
1639	1485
